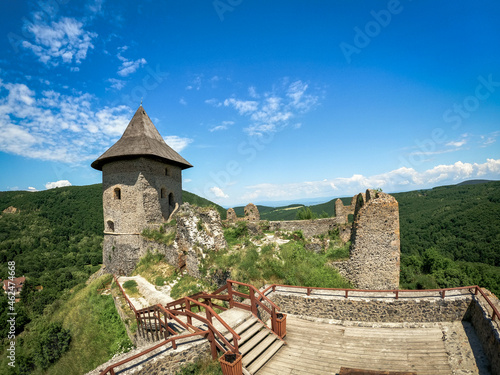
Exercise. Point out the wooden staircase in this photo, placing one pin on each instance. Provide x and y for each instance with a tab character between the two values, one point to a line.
257	344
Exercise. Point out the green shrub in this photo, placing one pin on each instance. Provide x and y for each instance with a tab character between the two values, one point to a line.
234	234
306	213
131	286
50	344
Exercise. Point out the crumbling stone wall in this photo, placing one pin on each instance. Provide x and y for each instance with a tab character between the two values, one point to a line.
251	213
199	231
231	216
309	228
374	261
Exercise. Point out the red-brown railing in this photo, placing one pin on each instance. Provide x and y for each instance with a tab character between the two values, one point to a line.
153	315
495	313
257	299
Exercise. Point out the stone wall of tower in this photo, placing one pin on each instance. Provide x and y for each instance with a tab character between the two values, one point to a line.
148	191
137	194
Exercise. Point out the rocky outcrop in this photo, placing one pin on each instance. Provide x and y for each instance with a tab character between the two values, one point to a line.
11	210
199	231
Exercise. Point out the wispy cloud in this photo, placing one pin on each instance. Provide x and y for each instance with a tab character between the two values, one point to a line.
63	41
128	66
177	143
225	125
271	111
117	84
392	181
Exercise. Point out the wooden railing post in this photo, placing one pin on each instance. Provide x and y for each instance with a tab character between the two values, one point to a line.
253	304
230	293
274	323
397	294
209	315
346	293
213	347
188	308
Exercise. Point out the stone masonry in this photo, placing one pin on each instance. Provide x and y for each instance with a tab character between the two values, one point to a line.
374	260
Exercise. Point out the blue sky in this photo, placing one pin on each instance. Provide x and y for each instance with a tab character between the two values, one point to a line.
269	100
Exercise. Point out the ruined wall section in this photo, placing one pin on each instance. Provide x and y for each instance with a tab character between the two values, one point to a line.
199	231
309	228
374	261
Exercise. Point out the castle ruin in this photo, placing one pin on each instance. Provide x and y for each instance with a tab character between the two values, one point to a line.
374	255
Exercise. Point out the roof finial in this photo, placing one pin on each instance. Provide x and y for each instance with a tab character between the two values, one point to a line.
141	101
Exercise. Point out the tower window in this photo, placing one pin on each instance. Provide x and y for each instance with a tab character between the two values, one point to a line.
118	193
163	193
171	201
111	226
167	172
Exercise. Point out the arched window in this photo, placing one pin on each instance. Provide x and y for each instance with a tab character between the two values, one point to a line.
111	226
171	201
163	193
118	193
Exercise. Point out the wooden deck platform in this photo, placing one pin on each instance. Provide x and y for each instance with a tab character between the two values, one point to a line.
320	348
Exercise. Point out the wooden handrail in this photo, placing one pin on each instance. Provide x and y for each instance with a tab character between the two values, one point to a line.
125	295
262	296
110	368
236	337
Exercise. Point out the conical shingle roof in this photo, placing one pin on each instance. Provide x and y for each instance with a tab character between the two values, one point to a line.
141	138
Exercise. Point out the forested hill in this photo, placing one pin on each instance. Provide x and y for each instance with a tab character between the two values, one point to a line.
56	236
461	221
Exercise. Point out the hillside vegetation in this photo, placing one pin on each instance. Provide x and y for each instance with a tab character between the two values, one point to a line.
55	240
450	236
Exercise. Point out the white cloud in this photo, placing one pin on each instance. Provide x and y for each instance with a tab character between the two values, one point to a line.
242	106
392	181
225	125
57	127
128	66
217	191
32	189
117	83
195	83
214	102
274	110
177	143
64	41
182	101
57	184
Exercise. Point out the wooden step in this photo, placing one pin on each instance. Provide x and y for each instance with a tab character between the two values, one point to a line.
249	333
261	361
261	335
258	350
245	325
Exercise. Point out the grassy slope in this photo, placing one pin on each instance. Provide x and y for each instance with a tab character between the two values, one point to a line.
97	332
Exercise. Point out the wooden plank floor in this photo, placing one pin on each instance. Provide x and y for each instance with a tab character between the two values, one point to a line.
320	348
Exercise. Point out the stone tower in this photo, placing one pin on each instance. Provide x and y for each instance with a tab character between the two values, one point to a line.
142	183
